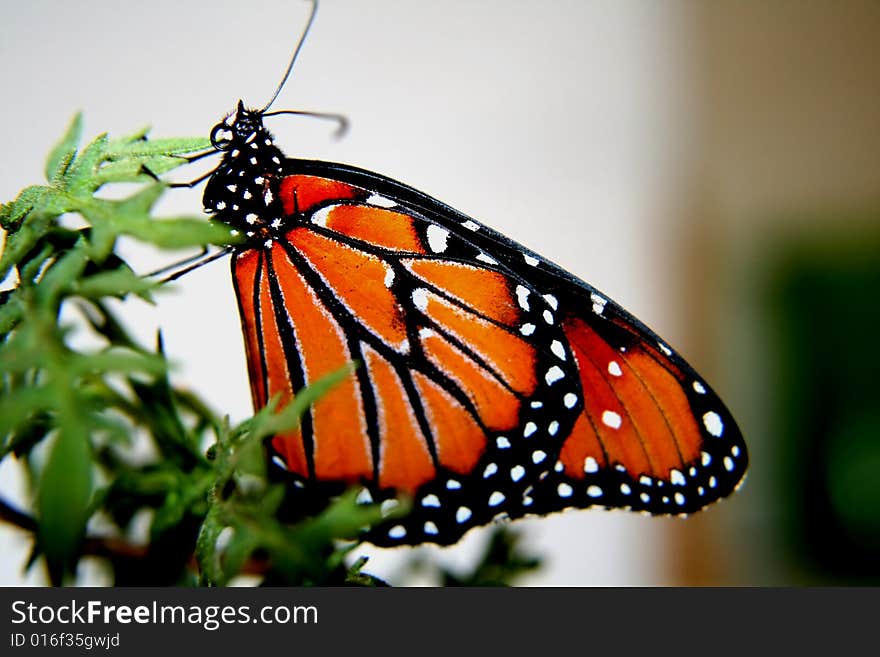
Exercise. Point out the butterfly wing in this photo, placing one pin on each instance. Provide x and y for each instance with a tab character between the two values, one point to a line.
493	383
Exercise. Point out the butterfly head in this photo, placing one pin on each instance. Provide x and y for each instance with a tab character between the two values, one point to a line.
237	129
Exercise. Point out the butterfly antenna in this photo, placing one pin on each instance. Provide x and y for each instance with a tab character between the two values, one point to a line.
293	57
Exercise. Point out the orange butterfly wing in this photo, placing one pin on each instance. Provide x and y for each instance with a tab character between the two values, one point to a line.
451	389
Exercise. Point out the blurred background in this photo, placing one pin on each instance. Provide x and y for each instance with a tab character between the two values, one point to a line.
712	166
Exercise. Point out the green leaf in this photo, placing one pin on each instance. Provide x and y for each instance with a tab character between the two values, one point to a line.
11	312
12	213
128	148
117	283
180	233
63	500
80	173
63	152
135	169
118	360
206	548
141	202
62	274
18	406
19	243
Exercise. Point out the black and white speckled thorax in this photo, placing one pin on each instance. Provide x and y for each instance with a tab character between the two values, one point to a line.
239	191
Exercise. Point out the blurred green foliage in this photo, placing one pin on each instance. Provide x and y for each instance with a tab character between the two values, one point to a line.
81	420
822	298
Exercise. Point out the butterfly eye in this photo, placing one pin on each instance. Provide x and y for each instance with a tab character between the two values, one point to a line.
221	137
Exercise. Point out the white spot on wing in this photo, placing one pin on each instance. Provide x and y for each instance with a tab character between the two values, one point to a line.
431	528
553	375
319	218
527	329
496	498
614	368
590	465
564	490
517	472
570	400
398	531
487	259
712	422
381	201
698	387
431	500
549	298
522	297
557	348
389	277
529	429
463	514
611	419
594	491
471	225
437	237
531	261
502	442
420	298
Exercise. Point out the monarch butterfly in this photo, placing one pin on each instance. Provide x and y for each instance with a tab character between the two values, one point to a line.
493	383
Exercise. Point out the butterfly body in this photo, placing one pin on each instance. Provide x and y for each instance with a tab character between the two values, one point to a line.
493	384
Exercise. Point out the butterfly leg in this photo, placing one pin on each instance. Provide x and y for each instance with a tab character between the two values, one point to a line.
187	265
